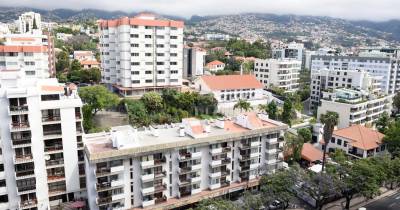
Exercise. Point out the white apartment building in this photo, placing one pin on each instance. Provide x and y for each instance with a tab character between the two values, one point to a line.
32	54
354	106
41	142
180	164
292	50
30	22
141	54
385	67
281	73
329	79
193	62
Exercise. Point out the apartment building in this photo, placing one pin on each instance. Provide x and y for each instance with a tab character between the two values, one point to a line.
171	166
281	73
32	54
30	22
292	50
358	141
41	142
193	62
386	67
354	106
329	79
141	54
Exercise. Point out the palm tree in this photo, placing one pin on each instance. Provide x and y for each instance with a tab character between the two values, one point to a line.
330	119
263	107
242	105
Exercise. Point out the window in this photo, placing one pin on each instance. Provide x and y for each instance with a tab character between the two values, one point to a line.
160	63
148	80
160	27
173	54
173	80
339	142
148	27
173	37
147	54
134	26
160	37
135	72
160	54
173	63
333	140
147	72
135	63
135	81
147	36
160	45
148	45
149	63
134	45
135	54
345	143
160	80
160	72
174	71
134	35
173	46
174	28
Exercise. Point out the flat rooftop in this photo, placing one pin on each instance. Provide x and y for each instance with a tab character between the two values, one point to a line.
132	142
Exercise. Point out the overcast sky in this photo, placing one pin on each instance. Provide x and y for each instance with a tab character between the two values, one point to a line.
348	9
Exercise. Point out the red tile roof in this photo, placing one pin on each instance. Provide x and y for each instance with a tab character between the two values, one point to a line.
229	82
310	153
214	63
361	136
89	62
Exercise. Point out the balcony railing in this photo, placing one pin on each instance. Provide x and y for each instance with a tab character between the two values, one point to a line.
18	109
16	126
103	171
58	190
55	177
28	203
21	141
22	189
22	173
23	158
52	132
51	118
104	200
54	162
53	148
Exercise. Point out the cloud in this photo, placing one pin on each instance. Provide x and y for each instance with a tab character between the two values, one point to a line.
348	9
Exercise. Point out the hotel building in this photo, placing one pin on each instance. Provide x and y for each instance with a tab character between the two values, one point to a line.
175	165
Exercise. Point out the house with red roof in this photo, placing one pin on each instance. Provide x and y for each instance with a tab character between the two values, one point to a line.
358	141
231	88
214	66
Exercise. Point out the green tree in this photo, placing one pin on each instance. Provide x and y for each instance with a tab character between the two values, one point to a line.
242	105
252	201
97	98
339	156
75	65
288	111
34	24
137	113
90	75
62	61
272	110
205	103
152	101
383	122
330	120
320	187
216	204
293	146
277	186
304	134
392	138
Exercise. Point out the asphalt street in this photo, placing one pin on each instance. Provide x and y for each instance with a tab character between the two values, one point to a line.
387	203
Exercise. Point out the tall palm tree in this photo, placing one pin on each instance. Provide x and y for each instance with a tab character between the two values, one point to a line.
242	105
330	119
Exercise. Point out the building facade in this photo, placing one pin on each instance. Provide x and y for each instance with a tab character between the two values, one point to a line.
193	62
141	54
31	54
41	140
30	22
292	50
354	106
386	67
329	79
281	73
174	166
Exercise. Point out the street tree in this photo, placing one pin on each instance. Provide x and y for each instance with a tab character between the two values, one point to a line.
216	204
304	134
383	122
277	186
392	138
396	101
98	98
288	112
152	101
320	187
330	120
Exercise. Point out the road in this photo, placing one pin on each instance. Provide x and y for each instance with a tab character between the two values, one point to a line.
387	203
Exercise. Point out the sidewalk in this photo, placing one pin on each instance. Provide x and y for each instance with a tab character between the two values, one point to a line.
358	202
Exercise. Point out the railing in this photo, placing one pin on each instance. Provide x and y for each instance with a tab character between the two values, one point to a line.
51	118
57	190
160	200
24	173
28	203
159	161
22	108
102	171
19	125
53	148
54	162
22	158
21	141
52	177
104	200
78	116
52	132
104	185
26	188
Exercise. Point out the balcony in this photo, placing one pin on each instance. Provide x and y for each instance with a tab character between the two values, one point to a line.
26	158
184	193
148	202
18	110
117	197
46	120
216	151
53	149
161	174
26	189
184	169
21	142
147	177
215	163
78	116
57	191
159	188
19	126
215	174
245	157
147	164
254	144
195	191
27	204
55	177
215	186
160	200
54	163
52	134
104	200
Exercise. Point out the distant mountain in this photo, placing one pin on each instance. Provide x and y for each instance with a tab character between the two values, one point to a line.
391	26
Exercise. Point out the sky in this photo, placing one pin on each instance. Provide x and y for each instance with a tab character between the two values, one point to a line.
376	10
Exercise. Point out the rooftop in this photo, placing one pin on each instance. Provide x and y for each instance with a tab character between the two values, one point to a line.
228	82
126	140
214	63
361	136
310	153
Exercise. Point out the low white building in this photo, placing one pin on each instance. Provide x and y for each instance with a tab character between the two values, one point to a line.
172	166
41	142
281	73
215	66
357	141
63	36
354	107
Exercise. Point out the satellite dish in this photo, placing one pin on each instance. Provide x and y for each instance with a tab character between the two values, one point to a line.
47	157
